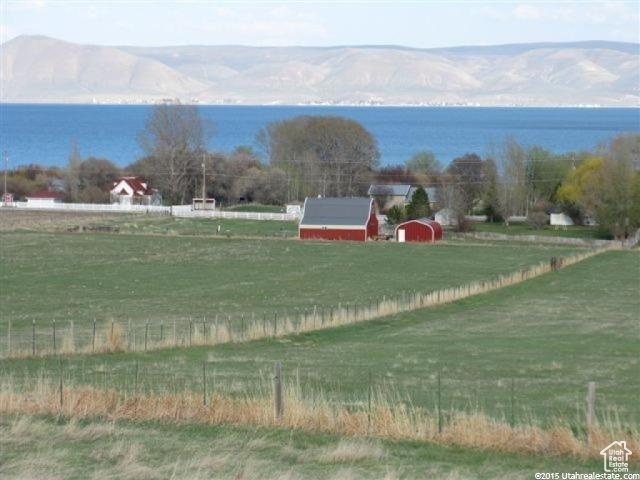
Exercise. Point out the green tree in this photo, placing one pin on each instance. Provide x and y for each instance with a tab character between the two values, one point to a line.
396	215
419	206
423	162
72	173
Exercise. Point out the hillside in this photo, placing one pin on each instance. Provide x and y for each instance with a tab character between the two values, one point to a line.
41	69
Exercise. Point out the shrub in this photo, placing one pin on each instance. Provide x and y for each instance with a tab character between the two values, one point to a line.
537	220
396	214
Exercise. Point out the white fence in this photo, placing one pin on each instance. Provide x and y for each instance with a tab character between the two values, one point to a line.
175	210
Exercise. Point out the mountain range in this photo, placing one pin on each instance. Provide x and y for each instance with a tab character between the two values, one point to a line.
43	69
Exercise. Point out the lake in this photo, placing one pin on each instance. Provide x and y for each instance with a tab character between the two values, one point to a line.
44	133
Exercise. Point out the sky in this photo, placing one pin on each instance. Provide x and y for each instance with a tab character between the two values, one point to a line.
419	24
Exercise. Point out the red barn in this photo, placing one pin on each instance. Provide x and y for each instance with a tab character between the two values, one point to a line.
339	219
420	230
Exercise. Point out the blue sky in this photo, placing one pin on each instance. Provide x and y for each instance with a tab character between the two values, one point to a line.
410	23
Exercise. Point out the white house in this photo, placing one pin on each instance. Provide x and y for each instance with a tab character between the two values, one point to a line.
44	198
131	190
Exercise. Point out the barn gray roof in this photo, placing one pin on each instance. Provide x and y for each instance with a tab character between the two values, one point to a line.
336	211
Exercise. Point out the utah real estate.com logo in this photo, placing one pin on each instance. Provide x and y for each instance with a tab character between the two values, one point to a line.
616	457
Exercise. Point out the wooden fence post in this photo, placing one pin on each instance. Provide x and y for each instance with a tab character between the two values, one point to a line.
204	382
33	337
439	404
146	334
190	332
591	404
93	338
277	392
54	336
161	331
513	412
61	396
275	324
135	385
9	337
369	403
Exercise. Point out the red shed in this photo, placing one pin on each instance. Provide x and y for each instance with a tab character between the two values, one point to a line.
419	230
351	218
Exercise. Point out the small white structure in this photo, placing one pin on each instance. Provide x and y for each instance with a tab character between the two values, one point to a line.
131	191
44	198
560	219
446	217
294	209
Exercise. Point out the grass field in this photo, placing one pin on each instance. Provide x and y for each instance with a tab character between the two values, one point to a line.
573	231
116	277
59	448
550	336
11	221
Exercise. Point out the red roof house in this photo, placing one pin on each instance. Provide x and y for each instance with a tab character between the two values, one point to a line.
131	190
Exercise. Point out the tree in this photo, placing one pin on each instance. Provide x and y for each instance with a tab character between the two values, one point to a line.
72	173
512	191
395	174
174	140
467	172
419	206
97	172
490	196
423	162
608	187
330	156
396	215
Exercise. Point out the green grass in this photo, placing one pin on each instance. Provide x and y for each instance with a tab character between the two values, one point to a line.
144	224
39	447
256	207
573	231
120	277
550	336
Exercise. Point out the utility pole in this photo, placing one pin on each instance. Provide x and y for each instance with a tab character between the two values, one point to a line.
204	184
6	166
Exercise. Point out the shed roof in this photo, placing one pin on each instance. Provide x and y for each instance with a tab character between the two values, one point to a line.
336	211
424	220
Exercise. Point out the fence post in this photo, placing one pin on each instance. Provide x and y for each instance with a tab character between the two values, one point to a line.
513	412
54	336
439	404
135	385
190	332
161	331
591	404
146	334
204	382
93	338
369	403
277	392
9	337
61	397
275	324
33	337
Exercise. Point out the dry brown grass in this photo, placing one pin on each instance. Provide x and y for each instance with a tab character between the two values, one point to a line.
385	420
220	331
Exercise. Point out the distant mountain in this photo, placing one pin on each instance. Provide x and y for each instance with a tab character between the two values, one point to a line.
42	69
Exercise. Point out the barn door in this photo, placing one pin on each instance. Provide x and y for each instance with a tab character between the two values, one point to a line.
401	235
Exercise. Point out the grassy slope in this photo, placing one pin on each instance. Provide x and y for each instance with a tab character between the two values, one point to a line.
109	276
58	448
550	335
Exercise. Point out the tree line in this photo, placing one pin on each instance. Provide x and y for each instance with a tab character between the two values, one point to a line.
335	156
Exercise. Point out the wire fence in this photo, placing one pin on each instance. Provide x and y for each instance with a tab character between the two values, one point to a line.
141	336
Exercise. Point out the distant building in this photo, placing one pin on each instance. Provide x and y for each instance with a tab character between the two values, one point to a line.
133	191
390	195
339	219
557	217
44	198
419	230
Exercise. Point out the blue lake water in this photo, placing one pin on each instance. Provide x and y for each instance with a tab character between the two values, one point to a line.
44	133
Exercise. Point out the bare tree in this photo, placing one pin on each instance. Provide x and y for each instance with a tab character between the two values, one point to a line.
174	140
